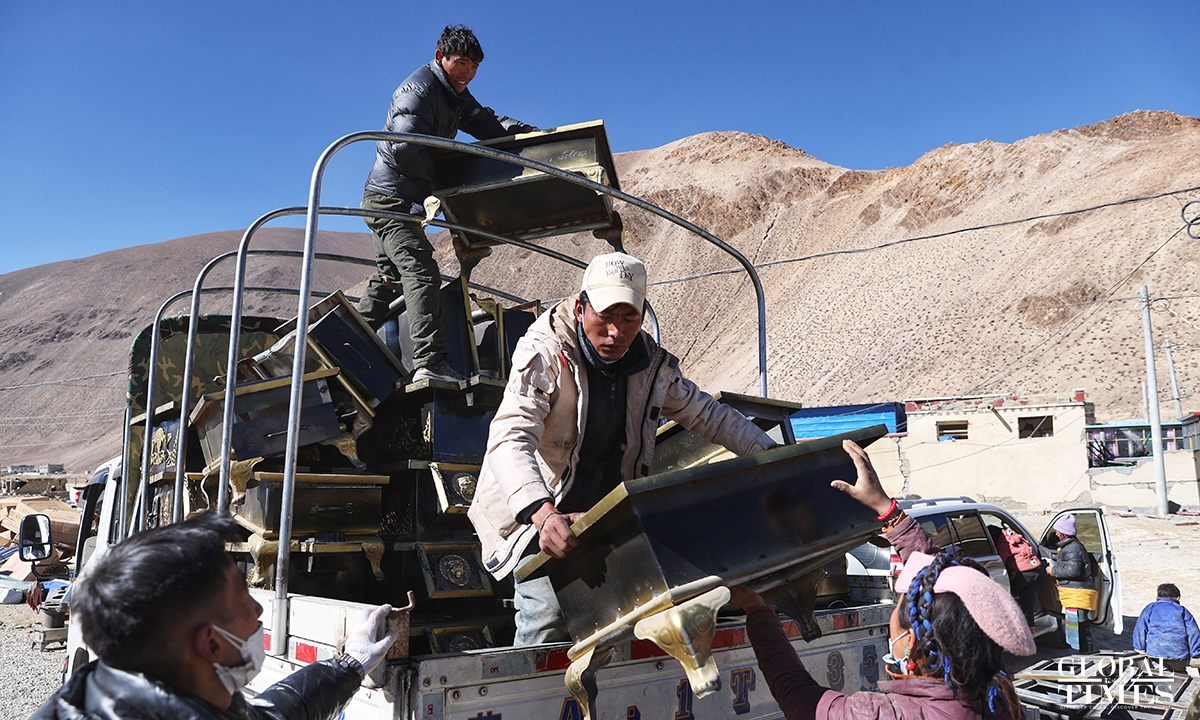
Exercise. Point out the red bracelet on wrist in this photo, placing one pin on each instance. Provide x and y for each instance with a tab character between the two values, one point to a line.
890	512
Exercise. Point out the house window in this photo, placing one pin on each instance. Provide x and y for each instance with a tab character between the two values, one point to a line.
952	430
1035	427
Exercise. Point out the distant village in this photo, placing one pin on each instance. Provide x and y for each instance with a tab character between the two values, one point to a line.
44	469
47	478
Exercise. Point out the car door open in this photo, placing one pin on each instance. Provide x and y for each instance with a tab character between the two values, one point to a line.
1092	531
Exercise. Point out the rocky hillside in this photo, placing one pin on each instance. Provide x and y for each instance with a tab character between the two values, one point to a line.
967	272
77	318
982	268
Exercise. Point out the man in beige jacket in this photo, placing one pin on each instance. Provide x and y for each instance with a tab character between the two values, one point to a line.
585	396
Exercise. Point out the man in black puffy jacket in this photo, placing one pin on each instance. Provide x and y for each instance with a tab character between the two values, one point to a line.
434	100
178	636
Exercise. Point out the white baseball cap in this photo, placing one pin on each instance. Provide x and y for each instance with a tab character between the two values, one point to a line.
615	278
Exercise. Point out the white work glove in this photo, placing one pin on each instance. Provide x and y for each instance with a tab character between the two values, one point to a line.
364	643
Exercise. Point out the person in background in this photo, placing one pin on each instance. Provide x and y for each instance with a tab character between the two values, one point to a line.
947	638
434	100
177	634
1023	565
1076	584
1166	630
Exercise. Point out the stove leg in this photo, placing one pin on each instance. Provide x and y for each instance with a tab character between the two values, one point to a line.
685	632
581	679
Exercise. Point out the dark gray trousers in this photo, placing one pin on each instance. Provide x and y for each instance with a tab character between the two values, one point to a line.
404	265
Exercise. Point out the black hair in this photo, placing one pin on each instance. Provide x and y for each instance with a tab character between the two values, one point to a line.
583	298
948	642
129	599
460	40
1168	590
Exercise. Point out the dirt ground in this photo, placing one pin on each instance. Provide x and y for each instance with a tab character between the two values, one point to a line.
28	676
1149	551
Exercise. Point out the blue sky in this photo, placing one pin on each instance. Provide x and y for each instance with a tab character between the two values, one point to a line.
124	123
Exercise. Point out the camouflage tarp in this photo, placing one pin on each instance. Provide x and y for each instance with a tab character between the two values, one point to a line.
211	355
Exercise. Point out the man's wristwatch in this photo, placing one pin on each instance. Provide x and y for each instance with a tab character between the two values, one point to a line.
351	663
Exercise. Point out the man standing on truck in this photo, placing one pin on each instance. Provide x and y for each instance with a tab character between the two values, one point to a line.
586	394
178	636
433	101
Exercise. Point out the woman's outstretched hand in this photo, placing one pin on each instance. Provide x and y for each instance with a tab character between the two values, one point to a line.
867	488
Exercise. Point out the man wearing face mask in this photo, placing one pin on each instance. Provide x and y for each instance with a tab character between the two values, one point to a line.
177	635
587	391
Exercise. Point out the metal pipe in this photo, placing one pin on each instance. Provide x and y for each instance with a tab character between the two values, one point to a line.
193	319
283	559
235	331
236	312
185	399
570	177
284	554
125	474
656	330
143	507
181	437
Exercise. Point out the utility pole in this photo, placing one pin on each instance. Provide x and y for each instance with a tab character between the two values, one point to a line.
1156	443
1174	381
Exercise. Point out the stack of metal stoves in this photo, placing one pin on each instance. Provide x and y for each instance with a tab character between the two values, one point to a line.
385	470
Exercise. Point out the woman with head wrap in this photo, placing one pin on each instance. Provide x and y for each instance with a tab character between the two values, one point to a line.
948	633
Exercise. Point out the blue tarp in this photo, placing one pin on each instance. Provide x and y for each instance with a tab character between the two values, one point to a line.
820	422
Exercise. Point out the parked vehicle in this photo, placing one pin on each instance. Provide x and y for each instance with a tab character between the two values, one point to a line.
963	523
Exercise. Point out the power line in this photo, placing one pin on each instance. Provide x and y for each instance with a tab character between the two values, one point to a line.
85	413
63	381
897	325
933	236
1064	334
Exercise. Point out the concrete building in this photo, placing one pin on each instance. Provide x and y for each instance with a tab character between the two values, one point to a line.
20	470
1038	452
1122	469
50	469
1016	451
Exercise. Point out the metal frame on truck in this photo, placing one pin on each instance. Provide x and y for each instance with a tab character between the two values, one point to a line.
478	683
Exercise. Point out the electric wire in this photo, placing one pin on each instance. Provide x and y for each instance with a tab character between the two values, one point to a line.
934	236
63	381
1063	334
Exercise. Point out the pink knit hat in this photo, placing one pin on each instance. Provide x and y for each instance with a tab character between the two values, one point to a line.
990	605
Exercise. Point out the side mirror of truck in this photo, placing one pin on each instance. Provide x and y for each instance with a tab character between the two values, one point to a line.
34	538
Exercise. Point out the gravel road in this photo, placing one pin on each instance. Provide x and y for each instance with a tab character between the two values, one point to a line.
1149	551
27	677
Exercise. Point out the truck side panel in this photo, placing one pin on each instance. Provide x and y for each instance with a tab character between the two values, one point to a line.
640	682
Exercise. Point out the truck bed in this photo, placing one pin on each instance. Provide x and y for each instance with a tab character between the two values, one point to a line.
641	681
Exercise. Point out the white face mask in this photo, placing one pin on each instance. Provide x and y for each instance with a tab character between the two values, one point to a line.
891	659
253	654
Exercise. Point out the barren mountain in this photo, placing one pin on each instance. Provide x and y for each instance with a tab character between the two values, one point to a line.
981	268
77	319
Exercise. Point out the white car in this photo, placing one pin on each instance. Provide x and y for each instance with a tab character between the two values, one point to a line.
963	523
